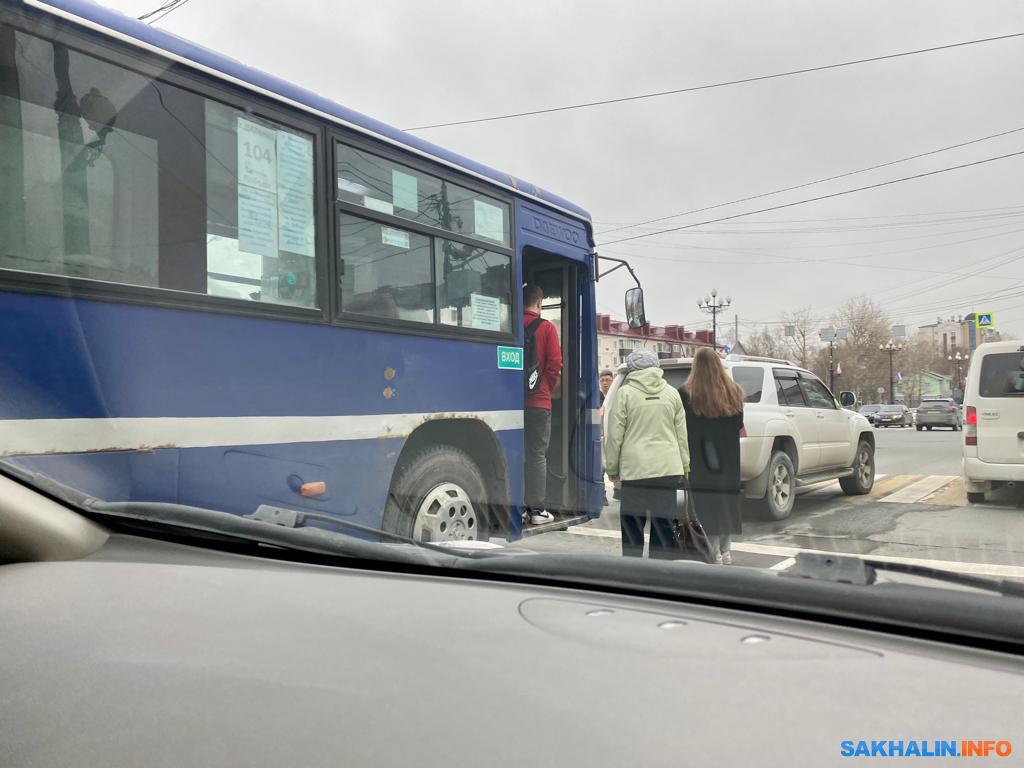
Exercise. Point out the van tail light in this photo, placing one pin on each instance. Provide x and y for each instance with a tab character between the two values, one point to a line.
972	415
971	423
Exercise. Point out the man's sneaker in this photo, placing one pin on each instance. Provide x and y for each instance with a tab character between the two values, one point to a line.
539	517
727	558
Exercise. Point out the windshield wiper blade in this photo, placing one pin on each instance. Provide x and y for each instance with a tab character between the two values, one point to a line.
852	569
279	526
251	528
297	518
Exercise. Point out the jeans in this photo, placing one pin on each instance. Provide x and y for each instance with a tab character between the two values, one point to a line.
537	425
653	497
721	544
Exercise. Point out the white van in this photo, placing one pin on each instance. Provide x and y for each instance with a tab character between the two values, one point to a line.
994	418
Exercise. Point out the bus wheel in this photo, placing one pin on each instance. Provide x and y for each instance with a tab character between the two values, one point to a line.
438	496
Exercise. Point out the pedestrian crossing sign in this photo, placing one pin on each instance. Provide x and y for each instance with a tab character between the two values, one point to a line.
985	320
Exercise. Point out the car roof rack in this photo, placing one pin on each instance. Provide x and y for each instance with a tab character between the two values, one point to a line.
757	359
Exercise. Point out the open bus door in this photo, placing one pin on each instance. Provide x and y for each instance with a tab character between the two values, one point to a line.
557	277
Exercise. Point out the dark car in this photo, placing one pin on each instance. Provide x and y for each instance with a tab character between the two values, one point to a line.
939	412
869	411
893	416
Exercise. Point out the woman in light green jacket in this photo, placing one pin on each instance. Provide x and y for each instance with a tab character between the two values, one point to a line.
646	447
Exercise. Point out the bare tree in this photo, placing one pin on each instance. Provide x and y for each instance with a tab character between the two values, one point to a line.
765	343
802	345
865	367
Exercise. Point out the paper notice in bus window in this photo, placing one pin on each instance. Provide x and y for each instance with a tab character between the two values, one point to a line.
396	237
486	312
404	190
295	193
257	221
295	216
488	221
378	205
352	187
257	155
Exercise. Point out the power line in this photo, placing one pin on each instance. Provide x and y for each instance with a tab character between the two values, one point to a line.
819	181
821	197
841	218
709	86
162	11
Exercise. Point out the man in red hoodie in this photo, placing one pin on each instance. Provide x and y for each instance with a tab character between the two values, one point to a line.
537	418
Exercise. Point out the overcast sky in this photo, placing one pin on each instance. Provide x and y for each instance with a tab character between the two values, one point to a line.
413	63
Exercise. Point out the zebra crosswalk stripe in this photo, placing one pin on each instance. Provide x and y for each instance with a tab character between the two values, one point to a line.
919	490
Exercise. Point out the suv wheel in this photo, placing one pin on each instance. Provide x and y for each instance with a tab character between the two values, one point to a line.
863	478
781	486
975	498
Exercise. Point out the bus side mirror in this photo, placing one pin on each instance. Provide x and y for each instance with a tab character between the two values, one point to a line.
635	308
847	399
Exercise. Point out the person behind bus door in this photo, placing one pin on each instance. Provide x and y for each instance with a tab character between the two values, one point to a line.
714	421
646	447
604	383
537	415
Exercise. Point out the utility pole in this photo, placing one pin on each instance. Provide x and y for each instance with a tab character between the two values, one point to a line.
736	338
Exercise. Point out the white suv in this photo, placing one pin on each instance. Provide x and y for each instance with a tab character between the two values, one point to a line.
797	433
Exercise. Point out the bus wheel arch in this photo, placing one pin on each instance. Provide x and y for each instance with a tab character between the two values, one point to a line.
455	463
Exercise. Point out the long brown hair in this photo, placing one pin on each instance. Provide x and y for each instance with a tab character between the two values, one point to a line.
712	392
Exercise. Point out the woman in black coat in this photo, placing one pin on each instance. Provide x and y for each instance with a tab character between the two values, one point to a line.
714	420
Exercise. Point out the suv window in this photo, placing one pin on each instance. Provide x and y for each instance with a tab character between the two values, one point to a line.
676	377
817	394
752	381
788	389
1002	375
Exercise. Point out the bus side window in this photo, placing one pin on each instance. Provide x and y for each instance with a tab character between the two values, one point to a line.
109	175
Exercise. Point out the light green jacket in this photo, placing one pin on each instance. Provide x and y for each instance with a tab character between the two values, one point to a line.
646	429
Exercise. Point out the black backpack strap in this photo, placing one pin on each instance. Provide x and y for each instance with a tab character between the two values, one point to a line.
531	329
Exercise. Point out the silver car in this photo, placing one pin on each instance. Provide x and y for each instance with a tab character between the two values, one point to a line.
938	412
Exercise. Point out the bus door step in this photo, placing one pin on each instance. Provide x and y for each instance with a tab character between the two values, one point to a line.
560	524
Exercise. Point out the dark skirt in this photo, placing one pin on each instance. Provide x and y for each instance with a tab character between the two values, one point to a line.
719	511
653	497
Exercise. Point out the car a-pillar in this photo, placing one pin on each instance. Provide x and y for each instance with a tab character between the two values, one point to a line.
450	483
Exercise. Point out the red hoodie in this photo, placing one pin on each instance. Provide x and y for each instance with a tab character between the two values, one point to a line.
549	361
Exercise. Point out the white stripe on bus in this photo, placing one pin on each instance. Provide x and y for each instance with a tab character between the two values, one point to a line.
19	437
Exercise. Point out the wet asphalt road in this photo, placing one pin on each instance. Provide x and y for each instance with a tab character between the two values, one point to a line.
916	512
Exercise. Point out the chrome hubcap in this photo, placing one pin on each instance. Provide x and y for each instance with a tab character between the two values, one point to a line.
445	514
781	486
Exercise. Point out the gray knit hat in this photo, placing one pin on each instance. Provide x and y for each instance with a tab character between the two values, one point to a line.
641	358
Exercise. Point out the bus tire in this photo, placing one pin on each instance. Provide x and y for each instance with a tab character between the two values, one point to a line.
439	495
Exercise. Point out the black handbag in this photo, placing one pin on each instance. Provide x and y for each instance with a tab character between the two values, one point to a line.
689	540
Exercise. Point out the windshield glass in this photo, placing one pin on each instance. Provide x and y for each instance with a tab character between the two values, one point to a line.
224	292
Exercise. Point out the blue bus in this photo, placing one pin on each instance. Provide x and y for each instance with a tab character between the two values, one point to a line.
222	290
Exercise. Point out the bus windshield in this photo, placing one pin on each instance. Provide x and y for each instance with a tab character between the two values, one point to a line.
237	296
